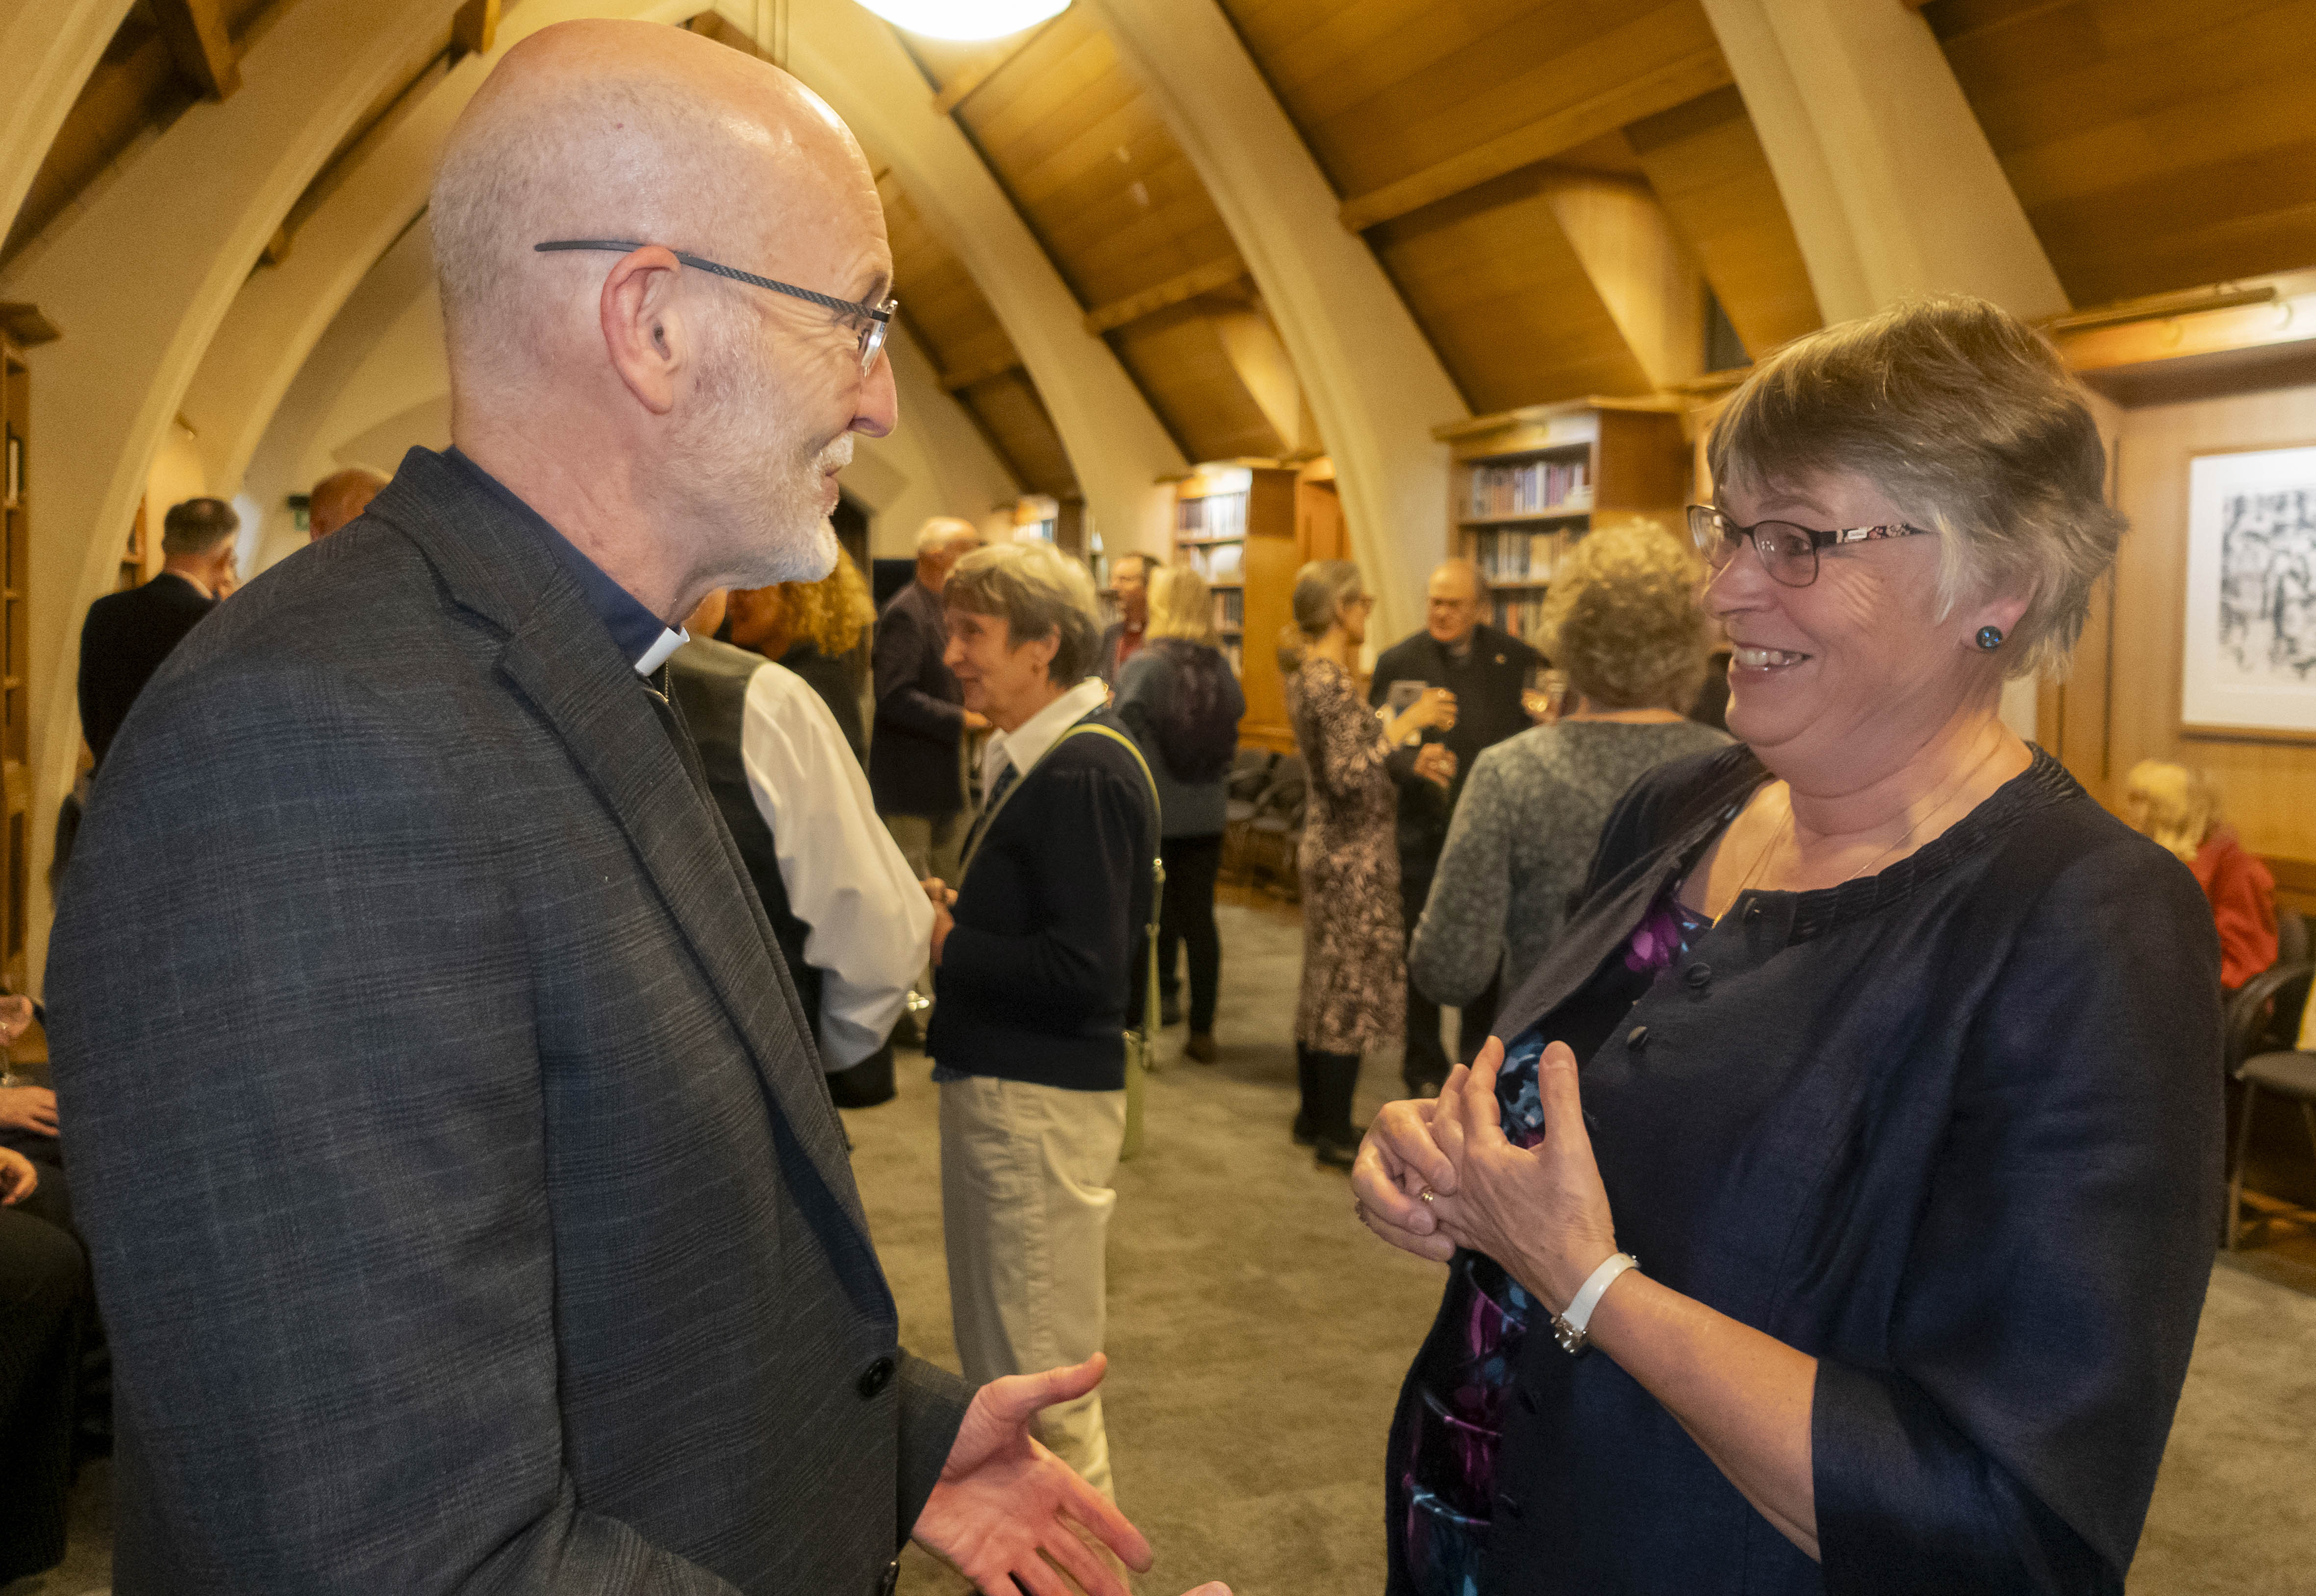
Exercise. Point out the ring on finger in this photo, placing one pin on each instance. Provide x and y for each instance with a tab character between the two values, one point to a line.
1428	1195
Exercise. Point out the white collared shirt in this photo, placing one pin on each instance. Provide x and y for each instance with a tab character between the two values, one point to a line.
868	920
1026	743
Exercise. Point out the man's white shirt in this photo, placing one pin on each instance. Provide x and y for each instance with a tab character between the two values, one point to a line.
868	923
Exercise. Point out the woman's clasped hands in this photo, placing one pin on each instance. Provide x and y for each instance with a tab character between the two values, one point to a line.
1436	1175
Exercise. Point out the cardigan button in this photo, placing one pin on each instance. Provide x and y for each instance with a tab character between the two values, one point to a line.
1638	1036
874	1379
1698	975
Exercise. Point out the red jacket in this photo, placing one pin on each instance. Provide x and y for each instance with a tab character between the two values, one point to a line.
2244	903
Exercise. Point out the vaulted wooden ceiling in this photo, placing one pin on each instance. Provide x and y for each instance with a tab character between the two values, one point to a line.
1552	187
2155	143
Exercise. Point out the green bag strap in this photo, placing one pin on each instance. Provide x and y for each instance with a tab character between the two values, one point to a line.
1157	863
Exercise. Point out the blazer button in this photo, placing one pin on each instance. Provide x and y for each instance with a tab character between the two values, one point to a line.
1638	1036
875	1378
1698	975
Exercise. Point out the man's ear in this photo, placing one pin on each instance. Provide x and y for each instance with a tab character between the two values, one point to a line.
644	333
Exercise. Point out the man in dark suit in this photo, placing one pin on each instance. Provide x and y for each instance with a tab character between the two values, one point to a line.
916	752
1122	638
1487	671
503	1203
128	635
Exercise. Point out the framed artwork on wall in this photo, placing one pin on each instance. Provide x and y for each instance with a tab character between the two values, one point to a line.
2250	663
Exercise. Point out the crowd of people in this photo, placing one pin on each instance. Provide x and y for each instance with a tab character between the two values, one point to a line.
1847	1077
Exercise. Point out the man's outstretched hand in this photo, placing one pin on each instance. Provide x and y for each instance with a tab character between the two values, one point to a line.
1003	1499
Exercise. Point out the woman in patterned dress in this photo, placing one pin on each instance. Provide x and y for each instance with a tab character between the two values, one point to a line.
1354	969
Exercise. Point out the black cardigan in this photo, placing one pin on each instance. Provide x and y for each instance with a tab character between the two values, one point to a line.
1953	1130
1039	975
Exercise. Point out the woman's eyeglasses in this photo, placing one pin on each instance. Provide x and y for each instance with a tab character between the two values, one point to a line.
876	320
1788	552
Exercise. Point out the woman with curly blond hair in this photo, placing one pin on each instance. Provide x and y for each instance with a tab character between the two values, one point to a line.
1622	619
813	628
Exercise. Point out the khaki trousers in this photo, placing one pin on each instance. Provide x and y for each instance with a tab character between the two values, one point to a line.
930	842
1025	1212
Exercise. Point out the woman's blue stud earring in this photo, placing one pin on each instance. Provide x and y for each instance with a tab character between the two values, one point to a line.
1989	638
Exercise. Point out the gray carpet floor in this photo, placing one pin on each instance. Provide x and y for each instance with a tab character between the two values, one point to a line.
1258	1336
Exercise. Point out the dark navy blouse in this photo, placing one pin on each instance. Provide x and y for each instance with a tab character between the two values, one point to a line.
1953	1130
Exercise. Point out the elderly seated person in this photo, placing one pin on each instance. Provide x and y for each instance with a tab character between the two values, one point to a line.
1862	1119
1622	618
2178	809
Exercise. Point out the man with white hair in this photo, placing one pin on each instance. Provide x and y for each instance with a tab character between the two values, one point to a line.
503	1201
916	767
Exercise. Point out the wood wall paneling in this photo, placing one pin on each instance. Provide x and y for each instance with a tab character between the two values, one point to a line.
1707	167
1495	285
2264	787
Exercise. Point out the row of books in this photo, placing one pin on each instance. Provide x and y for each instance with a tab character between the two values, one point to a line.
1532	488
1216	562
1230	609
1520	557
1519	614
1220	515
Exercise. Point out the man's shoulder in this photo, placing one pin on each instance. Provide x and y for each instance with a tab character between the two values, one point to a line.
1407	651
1501	647
911	603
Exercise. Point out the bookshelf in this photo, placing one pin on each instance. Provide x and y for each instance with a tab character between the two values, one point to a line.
1524	486
1236	526
17	499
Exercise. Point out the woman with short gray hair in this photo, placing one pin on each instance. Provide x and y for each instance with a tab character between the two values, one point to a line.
1865	1114
1622	619
1038	956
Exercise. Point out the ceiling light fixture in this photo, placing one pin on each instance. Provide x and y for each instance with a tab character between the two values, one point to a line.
965	19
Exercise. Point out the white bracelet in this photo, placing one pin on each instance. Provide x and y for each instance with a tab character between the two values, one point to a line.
1568	1327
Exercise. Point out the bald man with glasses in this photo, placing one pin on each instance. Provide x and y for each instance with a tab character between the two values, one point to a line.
510	1216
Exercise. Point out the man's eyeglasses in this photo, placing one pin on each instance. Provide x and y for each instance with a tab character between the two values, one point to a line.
877	319
1788	552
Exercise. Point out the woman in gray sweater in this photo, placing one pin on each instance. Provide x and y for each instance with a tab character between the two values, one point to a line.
1622	619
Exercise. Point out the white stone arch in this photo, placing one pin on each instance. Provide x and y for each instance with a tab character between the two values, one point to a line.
48	49
139	278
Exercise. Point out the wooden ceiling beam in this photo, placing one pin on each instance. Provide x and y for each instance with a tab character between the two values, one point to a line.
970	81
475	27
195	33
1217	273
965	377
1676	82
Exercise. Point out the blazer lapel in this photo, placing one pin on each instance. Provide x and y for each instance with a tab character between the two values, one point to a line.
559	658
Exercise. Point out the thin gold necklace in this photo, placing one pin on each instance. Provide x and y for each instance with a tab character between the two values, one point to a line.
1945	798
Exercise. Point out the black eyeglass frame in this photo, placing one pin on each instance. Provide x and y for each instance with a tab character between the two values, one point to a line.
1710	527
872	336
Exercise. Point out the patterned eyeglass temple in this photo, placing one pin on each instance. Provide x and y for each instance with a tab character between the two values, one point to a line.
872	336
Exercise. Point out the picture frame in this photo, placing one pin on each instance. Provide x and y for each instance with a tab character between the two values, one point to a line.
2248	660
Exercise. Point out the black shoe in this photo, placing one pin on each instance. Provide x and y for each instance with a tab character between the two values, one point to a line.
1303	1135
1334	1153
1170	1009
1200	1048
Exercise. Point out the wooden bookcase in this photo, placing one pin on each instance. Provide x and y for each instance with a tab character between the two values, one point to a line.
1524	486
1235	525
17	499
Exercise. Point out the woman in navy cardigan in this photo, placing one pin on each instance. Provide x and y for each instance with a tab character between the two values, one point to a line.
1899	1065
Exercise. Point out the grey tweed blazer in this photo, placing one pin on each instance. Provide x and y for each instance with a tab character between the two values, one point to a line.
468	1210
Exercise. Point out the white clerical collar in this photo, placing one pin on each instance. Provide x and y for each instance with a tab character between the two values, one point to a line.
656	655
1027	743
